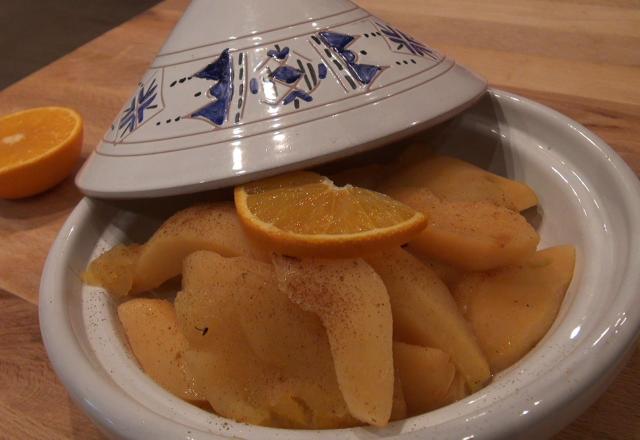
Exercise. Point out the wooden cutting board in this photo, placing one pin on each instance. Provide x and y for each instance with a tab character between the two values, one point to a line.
96	80
579	57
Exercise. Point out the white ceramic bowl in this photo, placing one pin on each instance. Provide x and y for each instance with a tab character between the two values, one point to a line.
588	197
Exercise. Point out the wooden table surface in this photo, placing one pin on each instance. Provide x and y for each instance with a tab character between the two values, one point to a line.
581	57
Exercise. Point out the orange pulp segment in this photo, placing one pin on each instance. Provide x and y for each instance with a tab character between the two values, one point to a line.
38	148
305	214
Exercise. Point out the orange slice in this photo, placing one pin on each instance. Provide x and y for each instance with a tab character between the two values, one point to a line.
305	214
38	149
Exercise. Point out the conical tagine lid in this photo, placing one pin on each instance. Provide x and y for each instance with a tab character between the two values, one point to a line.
243	89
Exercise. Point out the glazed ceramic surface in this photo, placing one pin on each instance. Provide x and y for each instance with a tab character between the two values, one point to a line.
588	197
246	89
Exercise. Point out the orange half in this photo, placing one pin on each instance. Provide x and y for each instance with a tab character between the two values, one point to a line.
305	214
38	149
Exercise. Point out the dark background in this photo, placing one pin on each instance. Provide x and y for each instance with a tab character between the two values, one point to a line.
34	33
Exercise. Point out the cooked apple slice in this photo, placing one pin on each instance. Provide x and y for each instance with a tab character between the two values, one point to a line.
425	313
234	315
469	235
317	398
289	411
114	270
243	293
280	332
457	391
240	387
135	269
212	226
352	303
453	179
232	383
159	346
512	308
399	406
449	274
426	375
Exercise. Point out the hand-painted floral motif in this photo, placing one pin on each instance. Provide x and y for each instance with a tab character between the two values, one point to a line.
255	82
279	54
141	102
364	73
403	43
286	76
221	70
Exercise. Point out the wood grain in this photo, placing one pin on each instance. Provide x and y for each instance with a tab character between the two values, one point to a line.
96	80
582	49
33	403
580	57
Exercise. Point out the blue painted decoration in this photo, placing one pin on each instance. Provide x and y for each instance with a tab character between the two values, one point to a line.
322	71
336	40
296	93
146	100
286	74
278	54
364	73
128	119
253	86
403	40
287	77
134	114
221	70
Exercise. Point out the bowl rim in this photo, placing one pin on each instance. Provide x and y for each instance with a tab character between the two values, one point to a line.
117	413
